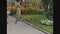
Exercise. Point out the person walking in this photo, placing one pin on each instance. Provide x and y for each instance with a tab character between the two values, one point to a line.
18	11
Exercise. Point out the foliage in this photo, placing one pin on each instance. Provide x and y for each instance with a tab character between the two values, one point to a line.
35	2
35	20
11	8
48	6
31	10
27	10
46	22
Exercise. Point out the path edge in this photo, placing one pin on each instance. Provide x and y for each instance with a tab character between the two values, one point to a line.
32	25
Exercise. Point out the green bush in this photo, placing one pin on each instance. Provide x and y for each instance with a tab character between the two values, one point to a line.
35	20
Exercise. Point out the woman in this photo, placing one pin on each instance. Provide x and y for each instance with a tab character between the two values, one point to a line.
18	11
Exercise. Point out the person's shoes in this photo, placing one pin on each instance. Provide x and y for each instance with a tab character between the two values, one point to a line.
16	21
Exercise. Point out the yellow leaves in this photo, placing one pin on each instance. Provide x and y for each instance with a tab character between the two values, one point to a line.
8	8
13	8
24	9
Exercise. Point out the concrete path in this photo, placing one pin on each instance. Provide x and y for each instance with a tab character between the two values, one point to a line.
20	27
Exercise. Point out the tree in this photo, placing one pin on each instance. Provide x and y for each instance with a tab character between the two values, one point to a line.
48	6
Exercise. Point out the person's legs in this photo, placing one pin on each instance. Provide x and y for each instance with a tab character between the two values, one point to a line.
17	19
18	14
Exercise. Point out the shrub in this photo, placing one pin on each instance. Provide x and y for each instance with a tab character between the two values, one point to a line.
27	10
23	10
33	10
46	22
11	8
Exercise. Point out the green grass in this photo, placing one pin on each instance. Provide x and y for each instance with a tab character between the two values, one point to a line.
35	20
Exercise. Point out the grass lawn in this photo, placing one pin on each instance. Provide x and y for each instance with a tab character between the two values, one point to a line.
35	20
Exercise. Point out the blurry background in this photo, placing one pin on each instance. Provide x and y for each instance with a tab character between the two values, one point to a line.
34	11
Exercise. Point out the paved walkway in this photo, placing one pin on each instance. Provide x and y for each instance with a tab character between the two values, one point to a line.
20	27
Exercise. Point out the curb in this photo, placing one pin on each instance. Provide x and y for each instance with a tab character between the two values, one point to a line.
33	25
